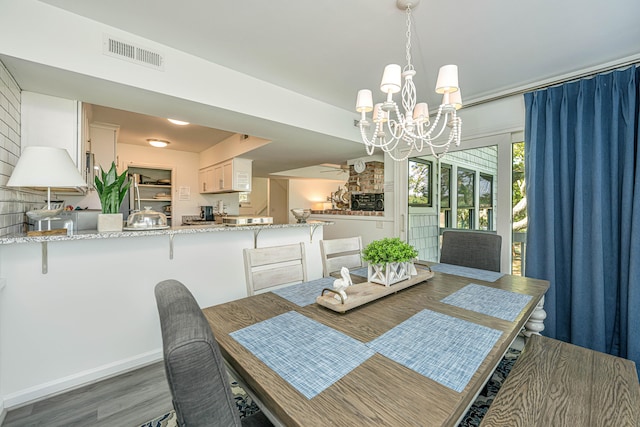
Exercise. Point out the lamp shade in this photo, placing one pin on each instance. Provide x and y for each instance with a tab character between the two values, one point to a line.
45	167
421	112
391	79
455	99
447	79
364	102
379	115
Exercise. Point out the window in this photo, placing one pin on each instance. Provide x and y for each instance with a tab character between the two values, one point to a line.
420	182
519	210
445	196
466	198
485	213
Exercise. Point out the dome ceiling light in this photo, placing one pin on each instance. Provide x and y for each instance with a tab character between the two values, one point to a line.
158	143
178	122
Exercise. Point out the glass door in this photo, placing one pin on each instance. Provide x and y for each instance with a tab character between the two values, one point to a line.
458	191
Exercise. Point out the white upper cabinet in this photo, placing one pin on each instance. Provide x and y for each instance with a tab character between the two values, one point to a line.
53	122
226	177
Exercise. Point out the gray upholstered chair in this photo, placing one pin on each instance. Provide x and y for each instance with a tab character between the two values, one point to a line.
195	369
476	249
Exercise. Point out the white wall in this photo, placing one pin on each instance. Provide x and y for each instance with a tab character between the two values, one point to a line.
307	193
369	228
37	32
234	146
185	166
94	315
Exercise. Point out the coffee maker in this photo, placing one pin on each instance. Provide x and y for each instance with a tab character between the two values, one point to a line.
206	213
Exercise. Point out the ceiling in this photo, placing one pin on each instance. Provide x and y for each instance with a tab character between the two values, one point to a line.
327	50
136	128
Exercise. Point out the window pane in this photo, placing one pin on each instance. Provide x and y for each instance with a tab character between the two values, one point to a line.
519	210
445	186
465	188
485	219
465	218
420	183
486	190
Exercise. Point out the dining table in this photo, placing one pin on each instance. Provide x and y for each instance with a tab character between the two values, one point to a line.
416	357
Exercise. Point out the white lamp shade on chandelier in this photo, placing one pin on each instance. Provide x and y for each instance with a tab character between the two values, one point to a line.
412	127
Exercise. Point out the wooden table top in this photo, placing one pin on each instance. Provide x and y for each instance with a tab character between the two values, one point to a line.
380	391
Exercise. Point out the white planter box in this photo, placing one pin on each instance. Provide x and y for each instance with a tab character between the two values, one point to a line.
388	274
109	222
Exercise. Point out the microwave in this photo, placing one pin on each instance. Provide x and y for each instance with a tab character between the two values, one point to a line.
86	219
367	202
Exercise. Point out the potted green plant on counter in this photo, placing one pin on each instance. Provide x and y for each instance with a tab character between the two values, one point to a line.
390	260
112	189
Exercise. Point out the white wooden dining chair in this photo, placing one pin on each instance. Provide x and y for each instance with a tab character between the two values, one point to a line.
338	253
274	266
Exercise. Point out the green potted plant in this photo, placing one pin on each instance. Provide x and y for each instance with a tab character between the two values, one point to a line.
390	260
112	189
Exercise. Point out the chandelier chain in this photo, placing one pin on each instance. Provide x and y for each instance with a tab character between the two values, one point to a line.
409	66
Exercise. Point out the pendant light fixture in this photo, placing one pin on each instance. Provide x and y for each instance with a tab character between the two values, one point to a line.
412	128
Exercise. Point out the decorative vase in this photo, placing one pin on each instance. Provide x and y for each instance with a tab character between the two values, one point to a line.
389	273
109	222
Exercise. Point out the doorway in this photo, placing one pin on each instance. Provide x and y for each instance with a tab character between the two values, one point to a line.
279	200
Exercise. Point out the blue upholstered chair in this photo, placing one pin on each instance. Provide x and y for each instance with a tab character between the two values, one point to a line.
195	369
475	249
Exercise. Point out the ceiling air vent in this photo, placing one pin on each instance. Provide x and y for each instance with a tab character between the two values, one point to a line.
132	53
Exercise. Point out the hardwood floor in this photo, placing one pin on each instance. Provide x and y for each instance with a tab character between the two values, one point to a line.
127	400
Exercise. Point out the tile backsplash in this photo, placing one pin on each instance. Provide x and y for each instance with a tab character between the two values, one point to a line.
13	202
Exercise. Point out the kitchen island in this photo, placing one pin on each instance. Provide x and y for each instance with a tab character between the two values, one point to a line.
93	313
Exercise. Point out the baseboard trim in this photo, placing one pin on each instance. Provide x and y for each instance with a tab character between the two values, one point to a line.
3	411
52	388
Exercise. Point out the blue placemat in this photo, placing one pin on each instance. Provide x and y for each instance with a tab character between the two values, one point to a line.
471	273
305	293
308	355
498	303
446	349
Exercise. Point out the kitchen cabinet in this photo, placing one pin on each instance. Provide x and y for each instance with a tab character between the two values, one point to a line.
153	188
205	180
54	122
233	175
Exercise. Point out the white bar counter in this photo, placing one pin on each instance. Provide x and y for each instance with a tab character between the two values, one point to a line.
93	313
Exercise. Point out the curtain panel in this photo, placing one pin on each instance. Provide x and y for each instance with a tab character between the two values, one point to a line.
583	197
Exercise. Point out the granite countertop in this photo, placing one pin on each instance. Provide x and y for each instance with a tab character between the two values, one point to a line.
180	229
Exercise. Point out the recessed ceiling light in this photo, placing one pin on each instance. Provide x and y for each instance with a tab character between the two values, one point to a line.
178	122
158	142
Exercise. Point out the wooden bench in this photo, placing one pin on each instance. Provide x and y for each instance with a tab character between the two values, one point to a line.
558	384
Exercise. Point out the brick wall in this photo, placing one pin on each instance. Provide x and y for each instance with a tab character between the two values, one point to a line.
13	202
371	180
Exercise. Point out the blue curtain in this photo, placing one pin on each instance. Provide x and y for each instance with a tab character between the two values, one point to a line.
583	197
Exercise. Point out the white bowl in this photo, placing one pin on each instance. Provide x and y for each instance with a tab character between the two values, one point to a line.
301	214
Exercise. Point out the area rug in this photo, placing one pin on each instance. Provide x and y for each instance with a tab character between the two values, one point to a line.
245	406
473	417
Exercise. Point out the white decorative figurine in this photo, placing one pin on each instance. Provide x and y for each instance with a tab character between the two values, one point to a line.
341	284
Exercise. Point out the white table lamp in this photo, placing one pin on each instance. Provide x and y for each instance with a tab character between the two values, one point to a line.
46	167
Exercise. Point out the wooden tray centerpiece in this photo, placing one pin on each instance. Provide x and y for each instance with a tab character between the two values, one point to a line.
363	293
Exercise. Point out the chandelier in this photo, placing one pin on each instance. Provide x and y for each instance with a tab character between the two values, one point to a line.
413	128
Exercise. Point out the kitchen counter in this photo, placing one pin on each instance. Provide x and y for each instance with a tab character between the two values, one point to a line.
182	229
88	299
